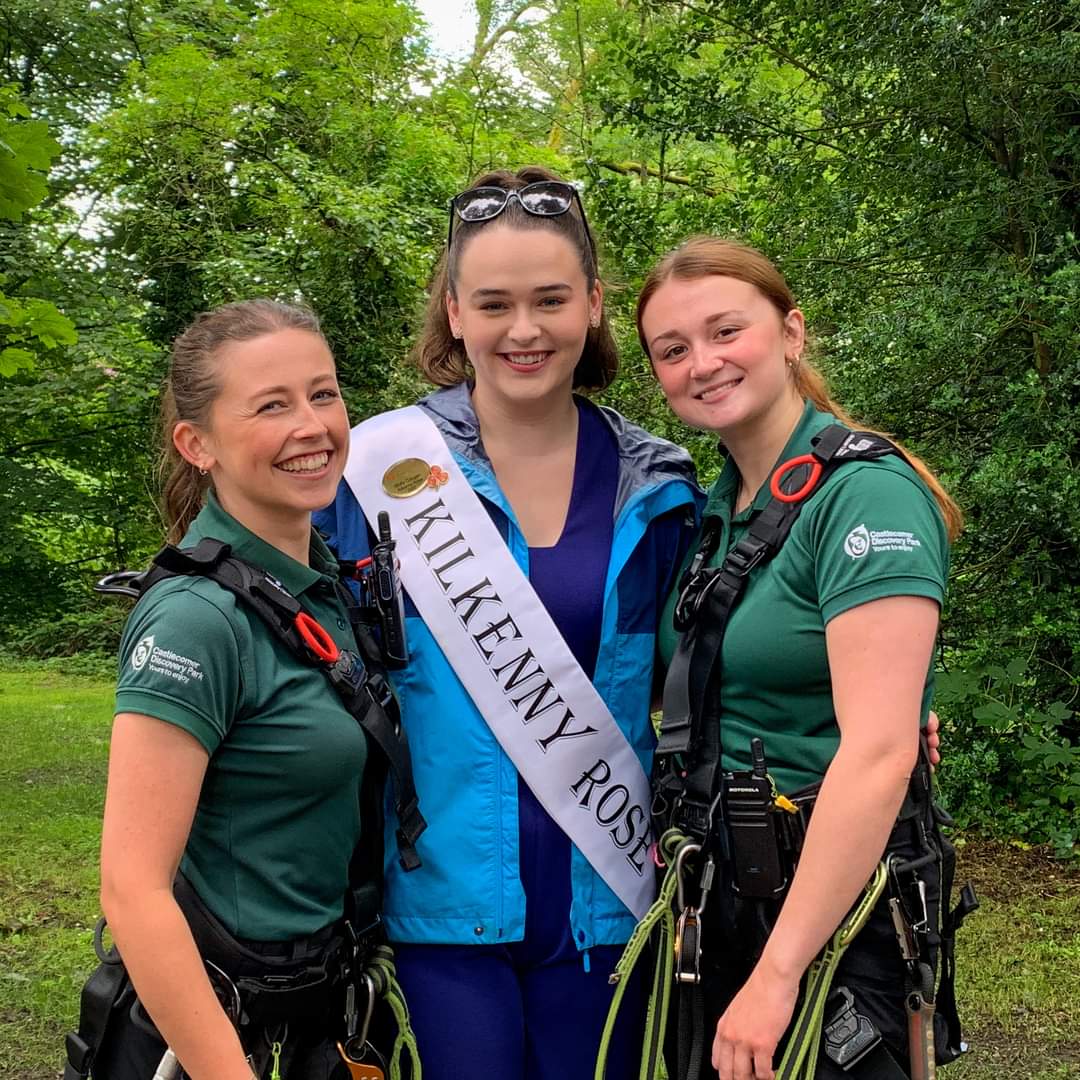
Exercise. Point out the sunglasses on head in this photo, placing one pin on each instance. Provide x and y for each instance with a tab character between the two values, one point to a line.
545	198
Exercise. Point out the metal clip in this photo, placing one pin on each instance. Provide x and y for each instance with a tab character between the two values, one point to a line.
688	947
688	926
923	925
904	935
684	852
227	993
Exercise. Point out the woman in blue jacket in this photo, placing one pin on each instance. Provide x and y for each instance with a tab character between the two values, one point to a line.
506	935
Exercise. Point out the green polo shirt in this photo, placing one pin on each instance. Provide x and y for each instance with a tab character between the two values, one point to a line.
277	819
872	529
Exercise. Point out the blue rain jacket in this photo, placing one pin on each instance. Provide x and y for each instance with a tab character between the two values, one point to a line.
469	888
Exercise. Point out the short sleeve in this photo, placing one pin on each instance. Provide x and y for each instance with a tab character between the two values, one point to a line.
877	532
180	660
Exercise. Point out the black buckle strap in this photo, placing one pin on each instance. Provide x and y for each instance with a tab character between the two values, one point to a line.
97	1002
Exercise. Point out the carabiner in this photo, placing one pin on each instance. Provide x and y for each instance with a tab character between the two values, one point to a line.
689	848
234	1009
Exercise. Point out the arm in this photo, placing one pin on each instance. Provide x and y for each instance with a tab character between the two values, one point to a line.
878	654
155	774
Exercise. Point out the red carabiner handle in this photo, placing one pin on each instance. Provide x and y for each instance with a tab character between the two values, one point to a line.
794	463
316	638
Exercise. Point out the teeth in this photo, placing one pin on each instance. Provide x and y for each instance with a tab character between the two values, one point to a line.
308	463
527	359
706	394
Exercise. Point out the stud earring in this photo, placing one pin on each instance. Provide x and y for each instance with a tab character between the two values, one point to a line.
202	472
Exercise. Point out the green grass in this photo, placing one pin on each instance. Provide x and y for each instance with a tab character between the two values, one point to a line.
1019	955
54	731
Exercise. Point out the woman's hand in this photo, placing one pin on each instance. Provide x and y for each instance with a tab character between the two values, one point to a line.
752	1025
933	739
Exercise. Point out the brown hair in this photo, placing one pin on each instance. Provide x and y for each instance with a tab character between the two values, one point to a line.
441	357
706	256
192	385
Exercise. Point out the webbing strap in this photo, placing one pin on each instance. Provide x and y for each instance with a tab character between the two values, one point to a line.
690	725
99	996
801	1056
364	692
384	975
659	920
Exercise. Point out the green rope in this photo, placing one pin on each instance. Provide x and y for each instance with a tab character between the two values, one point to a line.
801	1056
659	919
384	976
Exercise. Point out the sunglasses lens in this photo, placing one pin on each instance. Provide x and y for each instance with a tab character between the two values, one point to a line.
479	204
547	197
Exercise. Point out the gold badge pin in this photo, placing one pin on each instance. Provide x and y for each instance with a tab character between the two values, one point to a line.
406	477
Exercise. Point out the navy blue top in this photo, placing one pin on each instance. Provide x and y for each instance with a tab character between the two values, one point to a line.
569	577
569	580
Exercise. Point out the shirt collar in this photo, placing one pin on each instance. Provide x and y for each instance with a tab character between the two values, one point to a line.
723	493
215	521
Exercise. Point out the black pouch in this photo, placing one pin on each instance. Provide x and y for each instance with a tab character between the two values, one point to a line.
852	1044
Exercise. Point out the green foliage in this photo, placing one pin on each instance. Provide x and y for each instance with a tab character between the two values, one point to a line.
913	168
1012	764
26	152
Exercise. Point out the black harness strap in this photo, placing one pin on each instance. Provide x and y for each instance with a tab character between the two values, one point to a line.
98	1002
357	677
690	729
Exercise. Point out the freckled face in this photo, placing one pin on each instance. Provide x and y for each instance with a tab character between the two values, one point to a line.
522	306
720	348
278	433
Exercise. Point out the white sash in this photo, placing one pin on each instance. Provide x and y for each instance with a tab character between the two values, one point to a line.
505	649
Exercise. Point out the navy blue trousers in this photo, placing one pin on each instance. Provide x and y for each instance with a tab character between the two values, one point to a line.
528	1010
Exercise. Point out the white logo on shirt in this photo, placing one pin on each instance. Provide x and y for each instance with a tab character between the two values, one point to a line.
857	543
861	541
164	662
141	653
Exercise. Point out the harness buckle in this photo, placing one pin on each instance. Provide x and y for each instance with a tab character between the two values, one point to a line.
744	556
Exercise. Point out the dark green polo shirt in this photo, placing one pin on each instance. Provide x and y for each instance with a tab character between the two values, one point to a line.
872	530
278	817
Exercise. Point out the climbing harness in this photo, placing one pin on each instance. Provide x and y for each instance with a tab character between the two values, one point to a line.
708	819
349	964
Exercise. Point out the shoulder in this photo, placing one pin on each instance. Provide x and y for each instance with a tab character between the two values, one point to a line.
886	488
193	609
183	657
874	530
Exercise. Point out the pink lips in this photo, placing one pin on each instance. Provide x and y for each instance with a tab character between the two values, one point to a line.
526	368
720	390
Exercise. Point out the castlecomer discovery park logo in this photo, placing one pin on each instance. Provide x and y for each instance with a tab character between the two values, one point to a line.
857	543
142	652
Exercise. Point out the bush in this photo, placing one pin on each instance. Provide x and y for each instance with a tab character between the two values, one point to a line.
1011	759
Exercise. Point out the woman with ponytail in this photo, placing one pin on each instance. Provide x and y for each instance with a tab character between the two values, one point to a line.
234	768
824	656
